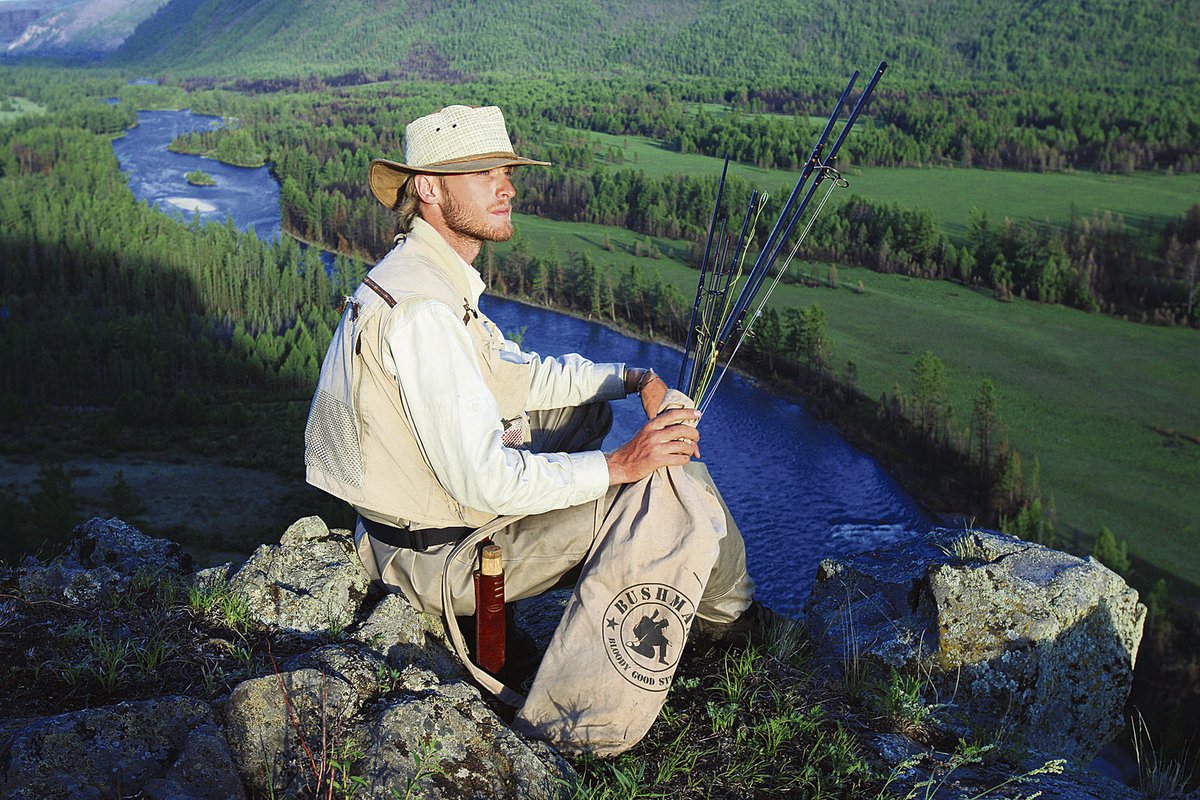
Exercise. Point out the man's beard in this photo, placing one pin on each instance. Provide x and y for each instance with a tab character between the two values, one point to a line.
482	229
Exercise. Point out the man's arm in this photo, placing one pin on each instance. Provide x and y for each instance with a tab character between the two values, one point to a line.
569	380
649	386
572	380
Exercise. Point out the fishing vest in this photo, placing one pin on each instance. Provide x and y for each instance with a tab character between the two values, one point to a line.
359	444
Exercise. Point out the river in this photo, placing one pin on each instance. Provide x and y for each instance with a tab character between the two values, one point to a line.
156	175
798	491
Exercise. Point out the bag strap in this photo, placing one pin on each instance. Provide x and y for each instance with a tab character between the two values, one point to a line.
469	543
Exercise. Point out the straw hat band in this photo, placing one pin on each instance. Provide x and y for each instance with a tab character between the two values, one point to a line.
510	155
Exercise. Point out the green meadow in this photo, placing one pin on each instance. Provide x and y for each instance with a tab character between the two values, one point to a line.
15	107
1109	408
950	193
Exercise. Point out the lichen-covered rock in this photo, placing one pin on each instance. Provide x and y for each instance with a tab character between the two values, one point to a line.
119	545
331	698
103	557
270	720
915	772
170	747
220	574
404	636
1010	632
311	582
448	744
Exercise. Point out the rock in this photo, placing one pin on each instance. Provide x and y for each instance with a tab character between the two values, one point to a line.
911	771
1011	633
330	703
166	748
215	575
127	550
312	582
270	720
447	744
103	558
404	636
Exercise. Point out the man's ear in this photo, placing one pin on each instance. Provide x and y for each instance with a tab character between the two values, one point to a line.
428	188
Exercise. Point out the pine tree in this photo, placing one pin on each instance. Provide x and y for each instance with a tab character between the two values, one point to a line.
985	426
52	506
929	395
123	500
1112	553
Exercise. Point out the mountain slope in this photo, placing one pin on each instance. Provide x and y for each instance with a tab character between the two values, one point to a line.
1089	42
78	27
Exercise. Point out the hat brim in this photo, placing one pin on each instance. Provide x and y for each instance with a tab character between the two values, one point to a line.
387	178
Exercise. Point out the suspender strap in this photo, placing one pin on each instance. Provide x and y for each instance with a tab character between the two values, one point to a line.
379	290
419	540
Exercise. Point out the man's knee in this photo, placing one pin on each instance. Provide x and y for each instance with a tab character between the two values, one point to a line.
573	429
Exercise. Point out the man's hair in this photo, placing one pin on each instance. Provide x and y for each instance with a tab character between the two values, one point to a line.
408	205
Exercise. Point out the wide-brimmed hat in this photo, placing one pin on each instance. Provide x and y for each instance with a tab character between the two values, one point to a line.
453	141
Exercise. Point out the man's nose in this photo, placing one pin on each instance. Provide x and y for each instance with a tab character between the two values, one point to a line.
505	188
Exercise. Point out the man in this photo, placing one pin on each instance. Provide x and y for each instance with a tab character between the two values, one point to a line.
431	424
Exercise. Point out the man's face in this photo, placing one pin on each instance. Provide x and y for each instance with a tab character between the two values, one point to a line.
479	205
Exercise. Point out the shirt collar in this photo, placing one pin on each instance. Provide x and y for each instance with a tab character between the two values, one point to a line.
471	279
475	282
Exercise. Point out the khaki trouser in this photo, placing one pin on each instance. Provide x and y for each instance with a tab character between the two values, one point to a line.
542	551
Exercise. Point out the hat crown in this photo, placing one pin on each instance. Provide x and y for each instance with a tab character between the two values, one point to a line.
456	133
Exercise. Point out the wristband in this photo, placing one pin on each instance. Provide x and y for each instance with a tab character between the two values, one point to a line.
632	380
636	379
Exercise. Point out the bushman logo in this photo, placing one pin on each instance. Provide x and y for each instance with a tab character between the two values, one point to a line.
644	631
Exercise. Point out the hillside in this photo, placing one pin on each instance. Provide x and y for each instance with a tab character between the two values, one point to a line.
1093	44
87	28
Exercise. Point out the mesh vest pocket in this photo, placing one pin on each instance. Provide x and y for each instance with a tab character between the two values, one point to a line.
331	440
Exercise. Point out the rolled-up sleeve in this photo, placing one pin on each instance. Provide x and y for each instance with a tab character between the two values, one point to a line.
457	419
572	380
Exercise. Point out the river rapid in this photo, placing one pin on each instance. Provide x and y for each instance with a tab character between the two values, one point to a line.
798	491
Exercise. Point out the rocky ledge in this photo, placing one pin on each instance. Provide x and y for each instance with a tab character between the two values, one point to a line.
358	691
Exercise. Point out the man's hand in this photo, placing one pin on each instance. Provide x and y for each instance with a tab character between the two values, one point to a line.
668	440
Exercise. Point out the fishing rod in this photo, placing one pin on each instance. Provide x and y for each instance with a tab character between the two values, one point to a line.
703	264
774	241
734	327
822	169
702	330
839	181
727	262
692	339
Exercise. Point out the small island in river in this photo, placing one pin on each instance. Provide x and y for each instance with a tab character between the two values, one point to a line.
200	178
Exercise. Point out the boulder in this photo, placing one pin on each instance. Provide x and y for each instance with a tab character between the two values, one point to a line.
104	556
312	582
404	637
394	729
167	748
1008	634
272	720
447	744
